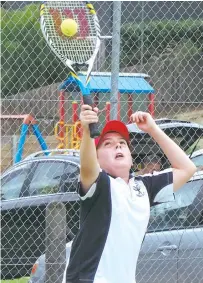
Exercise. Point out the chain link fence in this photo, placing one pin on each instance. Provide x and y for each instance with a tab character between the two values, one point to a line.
156	48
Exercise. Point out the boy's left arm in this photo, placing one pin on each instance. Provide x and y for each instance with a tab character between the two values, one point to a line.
183	167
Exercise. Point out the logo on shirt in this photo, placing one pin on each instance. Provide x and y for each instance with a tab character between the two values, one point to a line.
138	190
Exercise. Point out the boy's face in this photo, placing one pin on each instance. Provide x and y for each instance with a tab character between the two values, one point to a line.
114	154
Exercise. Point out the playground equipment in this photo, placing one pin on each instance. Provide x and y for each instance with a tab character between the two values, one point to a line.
28	120
69	135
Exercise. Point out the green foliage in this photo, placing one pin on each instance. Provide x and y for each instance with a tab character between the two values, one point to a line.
27	61
19	280
157	37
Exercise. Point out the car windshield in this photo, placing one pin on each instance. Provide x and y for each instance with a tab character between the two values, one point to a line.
198	160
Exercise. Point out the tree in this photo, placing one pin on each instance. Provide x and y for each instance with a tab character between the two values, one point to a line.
27	62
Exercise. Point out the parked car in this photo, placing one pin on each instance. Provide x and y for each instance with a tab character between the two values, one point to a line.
173	245
27	188
30	185
172	250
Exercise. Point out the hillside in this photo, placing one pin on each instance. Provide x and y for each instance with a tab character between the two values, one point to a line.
193	116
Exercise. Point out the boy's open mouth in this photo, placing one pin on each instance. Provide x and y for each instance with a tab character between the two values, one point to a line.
119	155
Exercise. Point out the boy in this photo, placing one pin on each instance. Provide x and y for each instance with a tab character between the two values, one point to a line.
115	206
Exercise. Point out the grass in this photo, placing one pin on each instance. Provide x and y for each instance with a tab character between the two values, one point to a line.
19	280
192	116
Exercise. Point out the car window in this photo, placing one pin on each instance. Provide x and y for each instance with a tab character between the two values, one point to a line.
70	177
12	183
183	211
198	160
47	178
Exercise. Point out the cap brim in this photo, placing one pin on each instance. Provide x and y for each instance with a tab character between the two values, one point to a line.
113	126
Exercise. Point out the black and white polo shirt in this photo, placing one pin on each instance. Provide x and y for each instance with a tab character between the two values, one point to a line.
113	220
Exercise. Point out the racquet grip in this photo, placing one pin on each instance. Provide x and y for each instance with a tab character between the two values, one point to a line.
94	131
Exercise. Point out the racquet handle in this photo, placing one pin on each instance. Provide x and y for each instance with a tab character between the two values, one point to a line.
94	131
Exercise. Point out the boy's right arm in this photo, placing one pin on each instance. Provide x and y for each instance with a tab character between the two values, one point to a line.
89	166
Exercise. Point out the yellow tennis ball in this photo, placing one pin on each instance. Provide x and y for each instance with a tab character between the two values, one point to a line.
69	27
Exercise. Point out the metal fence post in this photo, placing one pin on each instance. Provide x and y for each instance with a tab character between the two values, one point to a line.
55	249
115	58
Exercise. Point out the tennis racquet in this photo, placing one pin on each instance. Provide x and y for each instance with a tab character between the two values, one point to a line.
77	52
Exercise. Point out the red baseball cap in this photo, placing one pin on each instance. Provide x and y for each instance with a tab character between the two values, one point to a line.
113	126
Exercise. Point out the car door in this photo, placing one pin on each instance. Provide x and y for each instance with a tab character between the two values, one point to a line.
70	185
45	186
158	259
42	188
190	259
12	235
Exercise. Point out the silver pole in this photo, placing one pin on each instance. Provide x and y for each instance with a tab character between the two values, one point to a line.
115	58
142	35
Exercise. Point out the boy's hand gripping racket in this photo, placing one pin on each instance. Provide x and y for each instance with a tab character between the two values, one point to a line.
74	52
